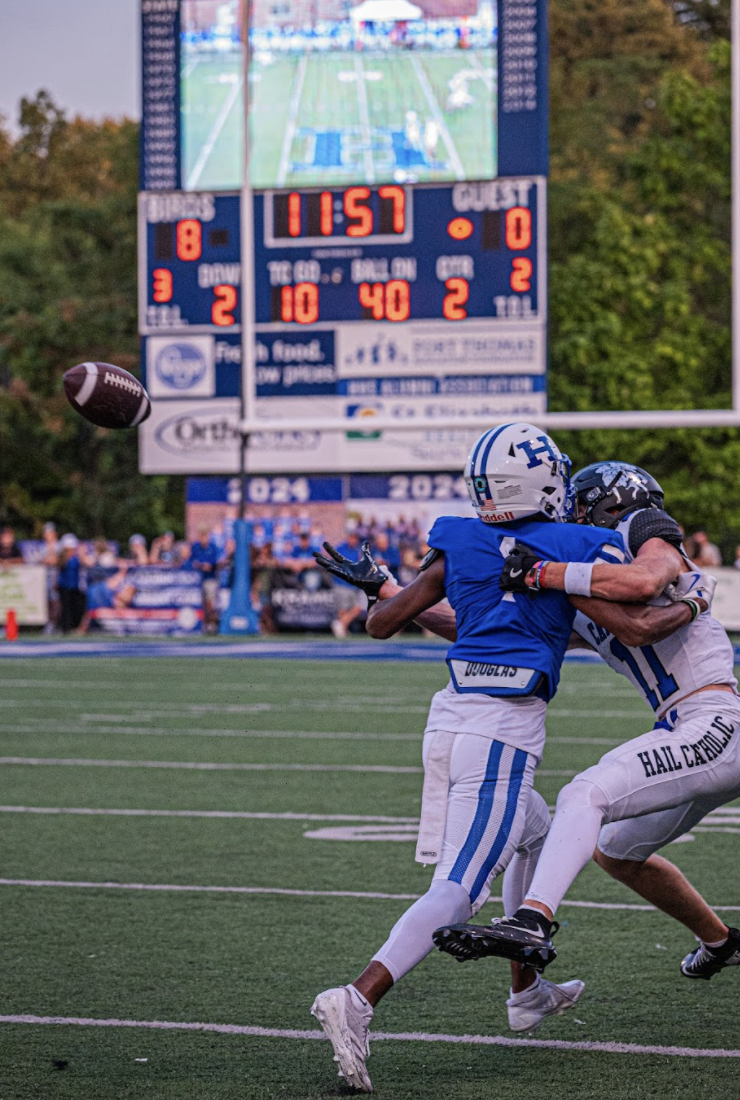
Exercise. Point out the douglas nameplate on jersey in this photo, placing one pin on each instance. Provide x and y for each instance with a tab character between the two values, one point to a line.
479	676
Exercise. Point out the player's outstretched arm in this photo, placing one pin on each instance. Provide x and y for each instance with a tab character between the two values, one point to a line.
439	619
377	585
637	624
388	616
656	564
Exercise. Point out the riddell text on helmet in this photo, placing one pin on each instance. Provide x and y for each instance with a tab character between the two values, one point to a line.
497	517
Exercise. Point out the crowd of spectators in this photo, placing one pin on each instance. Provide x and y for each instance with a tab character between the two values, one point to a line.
84	576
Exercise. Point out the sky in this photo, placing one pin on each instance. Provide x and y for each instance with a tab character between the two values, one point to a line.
85	52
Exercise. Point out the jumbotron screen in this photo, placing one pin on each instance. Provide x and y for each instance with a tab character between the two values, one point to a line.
342	92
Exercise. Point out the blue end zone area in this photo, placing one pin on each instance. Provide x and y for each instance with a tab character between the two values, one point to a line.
331	149
285	651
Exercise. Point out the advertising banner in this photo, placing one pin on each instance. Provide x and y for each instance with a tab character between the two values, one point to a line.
181	366
23	588
306	601
152	600
726	603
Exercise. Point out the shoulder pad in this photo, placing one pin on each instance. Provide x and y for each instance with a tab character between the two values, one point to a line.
653	523
429	557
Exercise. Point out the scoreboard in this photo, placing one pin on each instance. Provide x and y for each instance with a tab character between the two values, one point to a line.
396	254
375	274
474	253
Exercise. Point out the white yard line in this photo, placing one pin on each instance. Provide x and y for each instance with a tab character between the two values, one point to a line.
252	815
378	1036
726	815
214	135
189	765
143	711
43	726
207	766
292	124
367	139
49	726
434	107
275	891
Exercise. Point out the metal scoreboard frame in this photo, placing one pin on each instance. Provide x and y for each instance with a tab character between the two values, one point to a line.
393	302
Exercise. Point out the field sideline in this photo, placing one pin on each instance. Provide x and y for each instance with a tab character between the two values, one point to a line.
192	849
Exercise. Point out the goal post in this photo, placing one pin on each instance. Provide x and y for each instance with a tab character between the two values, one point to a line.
552	421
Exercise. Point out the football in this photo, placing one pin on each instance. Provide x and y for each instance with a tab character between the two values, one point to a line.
106	395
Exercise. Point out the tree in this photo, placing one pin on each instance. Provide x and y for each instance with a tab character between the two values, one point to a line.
67	294
640	284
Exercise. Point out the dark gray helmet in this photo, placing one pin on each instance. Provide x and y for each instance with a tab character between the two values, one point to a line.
609	491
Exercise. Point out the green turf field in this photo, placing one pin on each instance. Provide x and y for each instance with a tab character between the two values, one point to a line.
356	104
257	959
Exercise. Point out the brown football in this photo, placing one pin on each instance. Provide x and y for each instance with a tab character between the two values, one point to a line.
106	395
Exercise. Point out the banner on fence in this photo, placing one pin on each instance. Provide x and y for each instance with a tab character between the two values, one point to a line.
152	600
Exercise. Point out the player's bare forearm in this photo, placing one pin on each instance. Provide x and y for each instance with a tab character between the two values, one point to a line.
635	625
656	565
439	619
391	613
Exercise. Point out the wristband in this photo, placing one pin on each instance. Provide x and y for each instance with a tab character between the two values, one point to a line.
535	575
578	578
694	607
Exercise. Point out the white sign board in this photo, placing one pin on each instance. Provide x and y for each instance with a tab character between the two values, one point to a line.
726	603
23	590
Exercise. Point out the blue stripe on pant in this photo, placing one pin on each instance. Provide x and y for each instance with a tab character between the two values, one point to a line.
489	794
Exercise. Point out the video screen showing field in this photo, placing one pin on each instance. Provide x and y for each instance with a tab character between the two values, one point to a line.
340	92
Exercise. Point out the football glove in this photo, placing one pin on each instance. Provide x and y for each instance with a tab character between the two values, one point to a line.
694	585
365	573
520	561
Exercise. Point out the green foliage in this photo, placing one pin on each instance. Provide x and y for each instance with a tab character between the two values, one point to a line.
640	293
67	294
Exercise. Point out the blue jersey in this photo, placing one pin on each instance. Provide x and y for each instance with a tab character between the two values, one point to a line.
511	643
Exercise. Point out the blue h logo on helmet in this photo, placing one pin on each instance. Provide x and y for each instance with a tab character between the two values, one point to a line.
528	446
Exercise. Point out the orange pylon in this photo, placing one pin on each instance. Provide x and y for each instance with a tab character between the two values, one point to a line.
11	626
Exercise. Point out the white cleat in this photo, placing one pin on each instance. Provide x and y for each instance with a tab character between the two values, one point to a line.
346	1026
540	1001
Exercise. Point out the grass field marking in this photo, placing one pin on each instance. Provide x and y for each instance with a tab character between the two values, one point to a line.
49	726
246	815
378	1036
292	125
191	765
366	131
277	891
214	135
147	887
190	68
439	118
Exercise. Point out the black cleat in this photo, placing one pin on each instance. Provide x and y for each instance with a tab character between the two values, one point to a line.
507	938
705	962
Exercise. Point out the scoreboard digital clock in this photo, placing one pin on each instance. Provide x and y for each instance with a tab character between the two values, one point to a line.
398	254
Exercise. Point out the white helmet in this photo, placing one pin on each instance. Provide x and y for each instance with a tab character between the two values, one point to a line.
517	470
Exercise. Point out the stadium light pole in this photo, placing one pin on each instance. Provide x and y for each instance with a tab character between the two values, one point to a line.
735	185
